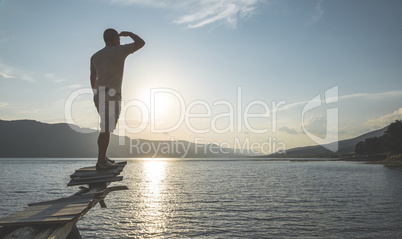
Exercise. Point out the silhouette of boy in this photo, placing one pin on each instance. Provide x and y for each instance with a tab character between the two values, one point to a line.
107	67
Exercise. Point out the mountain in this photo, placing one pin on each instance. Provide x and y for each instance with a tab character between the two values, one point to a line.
29	138
344	147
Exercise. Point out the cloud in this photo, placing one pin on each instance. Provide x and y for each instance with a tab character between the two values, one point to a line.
10	72
52	78
372	96
384	120
205	12
288	130
356	96
7	72
316	125
6	76
3	104
199	13
74	86
30	111
318	12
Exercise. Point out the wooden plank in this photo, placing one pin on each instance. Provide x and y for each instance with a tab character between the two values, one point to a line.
59	231
106	191
33	218
87	174
112	189
93	168
67	200
64	231
102	194
56	211
92	178
45	232
92	172
23	232
58	217
42	212
35	221
93	181
4	231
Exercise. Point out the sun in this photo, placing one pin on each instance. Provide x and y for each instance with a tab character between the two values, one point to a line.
153	108
160	103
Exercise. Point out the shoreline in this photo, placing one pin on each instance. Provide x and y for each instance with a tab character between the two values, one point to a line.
388	162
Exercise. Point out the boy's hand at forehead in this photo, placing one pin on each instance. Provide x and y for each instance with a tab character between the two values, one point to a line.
124	34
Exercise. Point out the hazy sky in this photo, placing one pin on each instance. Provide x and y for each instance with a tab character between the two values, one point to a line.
204	57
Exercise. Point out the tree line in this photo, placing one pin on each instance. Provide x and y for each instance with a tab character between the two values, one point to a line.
390	142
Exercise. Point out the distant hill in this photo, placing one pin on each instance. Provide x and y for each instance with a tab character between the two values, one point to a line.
29	138
33	139
344	147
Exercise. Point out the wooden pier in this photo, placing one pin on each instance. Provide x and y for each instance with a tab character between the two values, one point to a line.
57	218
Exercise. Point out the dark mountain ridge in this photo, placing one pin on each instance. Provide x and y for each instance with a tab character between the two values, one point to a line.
33	139
344	147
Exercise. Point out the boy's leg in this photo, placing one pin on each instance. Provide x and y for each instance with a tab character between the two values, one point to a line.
103	144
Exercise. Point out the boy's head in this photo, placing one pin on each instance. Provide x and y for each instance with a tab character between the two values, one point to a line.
111	37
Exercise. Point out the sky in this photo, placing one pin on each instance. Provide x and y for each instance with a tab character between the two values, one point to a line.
266	74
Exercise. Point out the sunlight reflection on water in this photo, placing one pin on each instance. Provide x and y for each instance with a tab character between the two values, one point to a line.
177	198
153	187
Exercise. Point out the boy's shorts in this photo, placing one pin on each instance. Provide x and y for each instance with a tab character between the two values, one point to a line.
109	112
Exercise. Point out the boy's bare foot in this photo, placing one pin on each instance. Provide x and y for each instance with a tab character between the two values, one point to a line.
106	166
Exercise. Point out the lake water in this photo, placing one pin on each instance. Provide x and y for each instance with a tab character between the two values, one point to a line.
222	198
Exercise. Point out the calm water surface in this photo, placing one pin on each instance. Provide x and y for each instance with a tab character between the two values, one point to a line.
222	199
